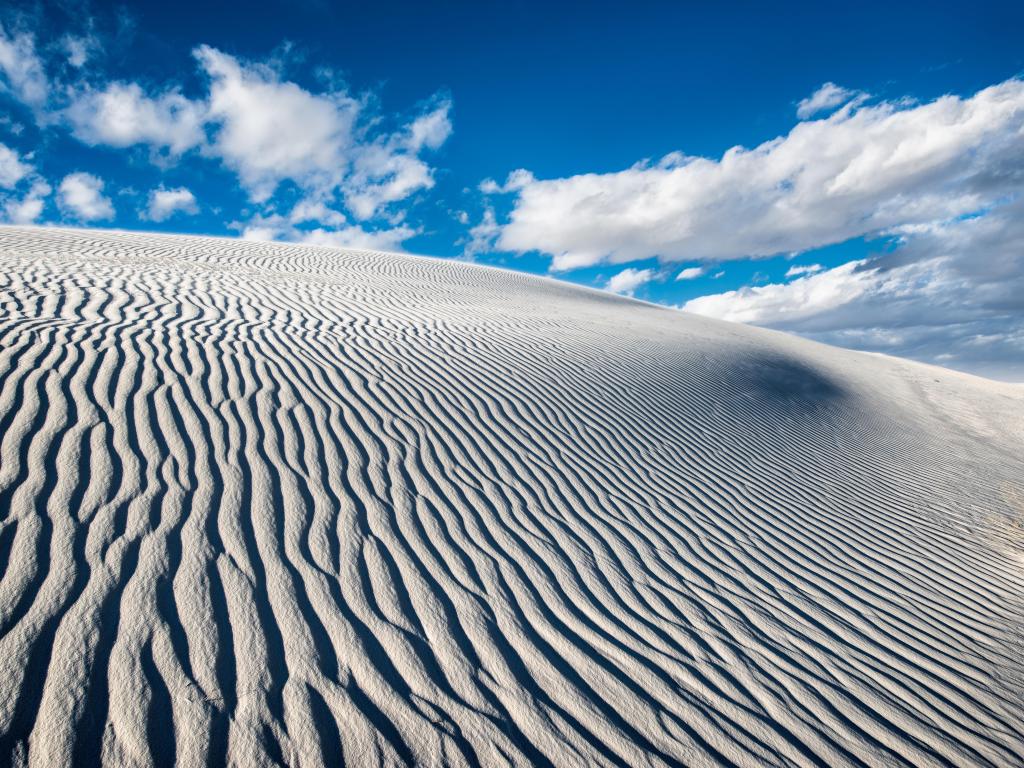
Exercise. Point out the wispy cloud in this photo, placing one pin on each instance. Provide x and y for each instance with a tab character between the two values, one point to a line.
13	168
691	273
23	191
828	96
482	235
22	68
803	269
338	233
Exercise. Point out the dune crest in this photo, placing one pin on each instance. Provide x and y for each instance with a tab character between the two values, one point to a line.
271	504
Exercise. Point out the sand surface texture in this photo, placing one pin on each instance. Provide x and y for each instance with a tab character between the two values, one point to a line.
265	504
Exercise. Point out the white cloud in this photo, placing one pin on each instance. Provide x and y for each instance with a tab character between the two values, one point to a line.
482	235
28	208
430	130
628	280
15	172
275	227
271	130
12	168
164	203
81	195
383	175
516	180
310	210
690	273
803	269
122	115
259	232
826	97
389	170
862	171
390	239
781	302
950	294
79	49
23	69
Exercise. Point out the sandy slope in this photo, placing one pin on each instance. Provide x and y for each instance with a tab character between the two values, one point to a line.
266	504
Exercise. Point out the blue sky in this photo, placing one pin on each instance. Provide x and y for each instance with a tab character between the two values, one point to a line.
875	203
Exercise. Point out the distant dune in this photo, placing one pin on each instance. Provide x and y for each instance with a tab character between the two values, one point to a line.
270	504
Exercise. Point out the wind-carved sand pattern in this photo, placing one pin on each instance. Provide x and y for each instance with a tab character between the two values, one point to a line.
270	504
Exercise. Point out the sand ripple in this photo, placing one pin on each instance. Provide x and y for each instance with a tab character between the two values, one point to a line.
268	504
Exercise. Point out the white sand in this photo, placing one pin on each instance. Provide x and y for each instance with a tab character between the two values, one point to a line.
272	504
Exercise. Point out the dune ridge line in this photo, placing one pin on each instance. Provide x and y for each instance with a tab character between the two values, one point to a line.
271	504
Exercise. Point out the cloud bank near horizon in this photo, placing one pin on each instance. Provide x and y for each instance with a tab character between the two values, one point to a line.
938	184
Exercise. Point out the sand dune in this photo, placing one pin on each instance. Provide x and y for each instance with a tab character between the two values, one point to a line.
272	504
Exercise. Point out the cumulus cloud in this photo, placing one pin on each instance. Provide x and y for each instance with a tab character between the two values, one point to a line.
628	280
164	203
690	273
81	195
861	171
12	168
28	208
269	130
122	115
22	68
332	148
827	97
311	210
26	205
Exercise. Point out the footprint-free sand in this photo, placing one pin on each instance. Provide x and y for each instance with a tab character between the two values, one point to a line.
271	504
